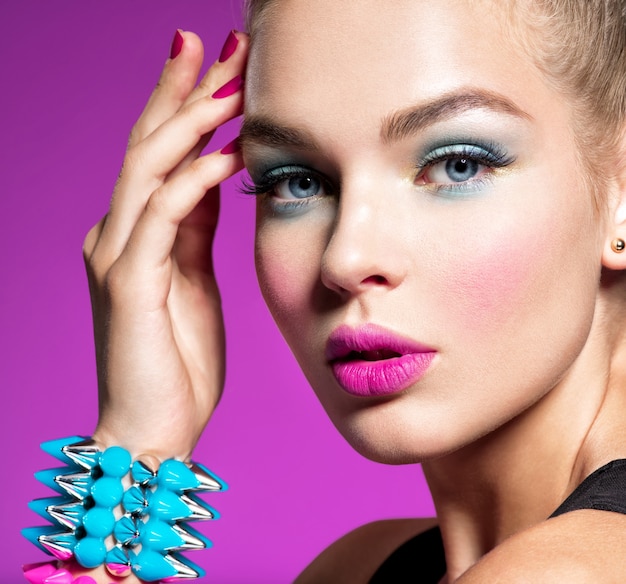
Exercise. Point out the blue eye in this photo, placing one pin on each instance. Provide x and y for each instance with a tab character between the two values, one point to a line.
461	169
298	187
286	188
460	166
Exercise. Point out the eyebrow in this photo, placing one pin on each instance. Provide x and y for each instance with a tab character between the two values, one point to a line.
264	130
410	121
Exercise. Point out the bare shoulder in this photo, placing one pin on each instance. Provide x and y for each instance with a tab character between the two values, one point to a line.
581	547
354	558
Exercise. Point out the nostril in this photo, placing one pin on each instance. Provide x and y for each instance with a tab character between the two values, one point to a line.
375	280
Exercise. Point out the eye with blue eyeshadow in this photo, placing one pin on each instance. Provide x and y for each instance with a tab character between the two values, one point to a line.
288	186
460	168
449	169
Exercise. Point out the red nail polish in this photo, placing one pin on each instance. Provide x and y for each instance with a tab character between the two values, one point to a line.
177	45
228	89
230	46
231	147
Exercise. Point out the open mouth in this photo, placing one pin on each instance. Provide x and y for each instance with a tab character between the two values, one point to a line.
375	355
372	361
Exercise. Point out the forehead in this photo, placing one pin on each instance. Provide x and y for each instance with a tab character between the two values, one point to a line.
342	62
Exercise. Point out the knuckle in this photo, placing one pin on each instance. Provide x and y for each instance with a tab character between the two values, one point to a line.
157	204
89	243
116	281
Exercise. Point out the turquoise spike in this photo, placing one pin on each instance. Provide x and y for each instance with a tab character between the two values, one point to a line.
33	534
174	475
60	545
207	481
159	536
186	568
193	539
118	561
54	447
69	514
126	531
142	474
199	510
167	506
48	476
40	506
84	453
150	566
77	485
134	501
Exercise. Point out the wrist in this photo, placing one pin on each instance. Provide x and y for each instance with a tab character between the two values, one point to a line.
128	516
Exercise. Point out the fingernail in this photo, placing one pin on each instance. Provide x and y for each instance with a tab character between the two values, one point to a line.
177	45
231	147
229	46
37	573
228	89
61	576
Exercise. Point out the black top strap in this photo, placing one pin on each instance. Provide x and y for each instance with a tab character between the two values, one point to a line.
603	490
422	559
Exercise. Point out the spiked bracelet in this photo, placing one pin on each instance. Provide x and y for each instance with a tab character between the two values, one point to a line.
139	528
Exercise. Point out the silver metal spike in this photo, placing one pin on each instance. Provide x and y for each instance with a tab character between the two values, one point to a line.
77	485
191	541
199	511
207	482
183	571
68	514
85	454
60	545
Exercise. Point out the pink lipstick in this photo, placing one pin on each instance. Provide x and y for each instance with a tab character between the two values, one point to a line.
372	361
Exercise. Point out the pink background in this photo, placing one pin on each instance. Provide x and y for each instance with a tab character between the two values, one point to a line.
75	75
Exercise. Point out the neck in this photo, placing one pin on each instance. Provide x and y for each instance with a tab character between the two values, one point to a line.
519	474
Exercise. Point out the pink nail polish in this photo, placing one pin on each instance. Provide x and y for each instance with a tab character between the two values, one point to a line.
228	89
230	46
231	147
61	576
177	45
37	573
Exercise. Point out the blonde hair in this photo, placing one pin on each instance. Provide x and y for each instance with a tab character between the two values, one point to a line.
580	46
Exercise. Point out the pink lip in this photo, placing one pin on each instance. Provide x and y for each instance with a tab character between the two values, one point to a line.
390	364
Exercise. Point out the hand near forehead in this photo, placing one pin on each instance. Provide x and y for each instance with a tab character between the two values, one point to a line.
156	306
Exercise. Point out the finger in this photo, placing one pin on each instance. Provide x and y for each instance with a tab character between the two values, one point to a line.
147	256
231	62
180	74
178	78
194	240
148	164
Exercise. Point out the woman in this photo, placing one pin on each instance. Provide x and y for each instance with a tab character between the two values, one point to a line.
440	239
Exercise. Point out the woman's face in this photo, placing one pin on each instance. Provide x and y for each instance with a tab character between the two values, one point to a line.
427	246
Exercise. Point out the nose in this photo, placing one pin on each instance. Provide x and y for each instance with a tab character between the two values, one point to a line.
364	250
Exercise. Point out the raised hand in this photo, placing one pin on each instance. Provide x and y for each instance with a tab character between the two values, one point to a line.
156	306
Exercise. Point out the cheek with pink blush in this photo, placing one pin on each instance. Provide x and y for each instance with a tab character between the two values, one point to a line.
494	281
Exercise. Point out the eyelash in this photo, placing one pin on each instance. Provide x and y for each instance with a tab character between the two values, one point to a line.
271	179
490	156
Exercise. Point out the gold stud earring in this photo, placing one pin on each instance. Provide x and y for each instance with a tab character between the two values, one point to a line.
618	245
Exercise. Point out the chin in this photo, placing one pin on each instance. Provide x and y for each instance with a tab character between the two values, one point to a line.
390	439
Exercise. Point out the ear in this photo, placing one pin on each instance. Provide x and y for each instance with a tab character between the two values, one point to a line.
614	252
